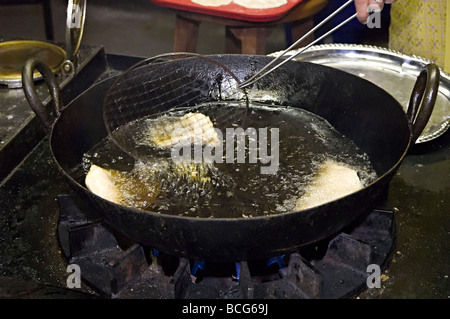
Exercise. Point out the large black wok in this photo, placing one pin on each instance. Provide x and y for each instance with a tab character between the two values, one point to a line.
368	115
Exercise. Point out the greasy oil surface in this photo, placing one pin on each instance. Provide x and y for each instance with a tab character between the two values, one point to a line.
224	190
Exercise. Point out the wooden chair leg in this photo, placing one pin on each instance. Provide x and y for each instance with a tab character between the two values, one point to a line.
186	35
300	28
252	40
232	43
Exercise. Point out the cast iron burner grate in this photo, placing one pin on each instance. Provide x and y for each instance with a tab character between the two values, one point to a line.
116	267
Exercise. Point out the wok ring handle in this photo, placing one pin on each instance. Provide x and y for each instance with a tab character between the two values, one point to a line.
422	99
43	113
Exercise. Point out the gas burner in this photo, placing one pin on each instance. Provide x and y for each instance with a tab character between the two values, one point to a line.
116	267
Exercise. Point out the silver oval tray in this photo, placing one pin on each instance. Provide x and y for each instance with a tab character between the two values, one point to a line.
394	72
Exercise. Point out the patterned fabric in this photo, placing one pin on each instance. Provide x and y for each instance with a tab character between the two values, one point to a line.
418	28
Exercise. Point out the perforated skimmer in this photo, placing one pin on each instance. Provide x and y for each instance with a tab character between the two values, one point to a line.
173	82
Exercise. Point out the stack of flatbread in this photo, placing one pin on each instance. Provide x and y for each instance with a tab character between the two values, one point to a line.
250	4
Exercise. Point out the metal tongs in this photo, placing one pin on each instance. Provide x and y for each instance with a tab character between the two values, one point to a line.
261	73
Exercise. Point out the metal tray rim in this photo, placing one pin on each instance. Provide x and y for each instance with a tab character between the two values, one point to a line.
408	63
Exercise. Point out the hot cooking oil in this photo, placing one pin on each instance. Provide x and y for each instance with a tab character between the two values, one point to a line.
225	188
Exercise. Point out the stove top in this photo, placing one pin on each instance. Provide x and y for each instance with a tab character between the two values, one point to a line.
33	263
117	267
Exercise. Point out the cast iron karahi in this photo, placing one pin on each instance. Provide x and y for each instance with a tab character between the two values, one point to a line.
368	115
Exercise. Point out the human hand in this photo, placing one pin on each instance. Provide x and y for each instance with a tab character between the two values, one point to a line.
365	7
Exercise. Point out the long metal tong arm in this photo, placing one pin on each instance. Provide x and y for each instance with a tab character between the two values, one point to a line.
261	73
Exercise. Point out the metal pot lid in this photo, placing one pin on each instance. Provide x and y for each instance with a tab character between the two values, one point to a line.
14	54
393	71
